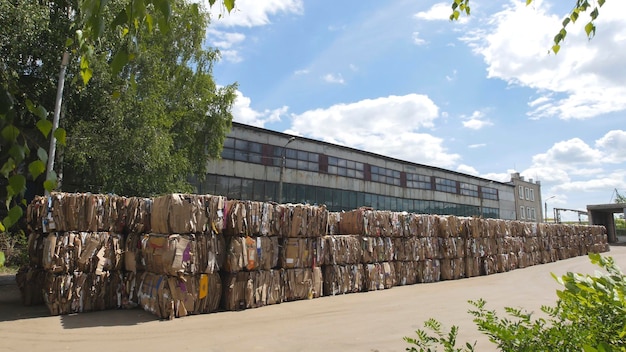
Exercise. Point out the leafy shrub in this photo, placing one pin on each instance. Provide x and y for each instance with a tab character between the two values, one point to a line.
590	316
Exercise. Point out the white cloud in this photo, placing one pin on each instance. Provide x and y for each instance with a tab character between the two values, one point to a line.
227	43
452	77
614	145
439	12
334	78
417	40
476	121
466	169
478	145
251	13
301	72
569	154
584	80
244	113
389	126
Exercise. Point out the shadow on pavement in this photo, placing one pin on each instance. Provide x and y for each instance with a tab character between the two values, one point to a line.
11	308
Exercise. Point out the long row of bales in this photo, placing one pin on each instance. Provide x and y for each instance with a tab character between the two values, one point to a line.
183	254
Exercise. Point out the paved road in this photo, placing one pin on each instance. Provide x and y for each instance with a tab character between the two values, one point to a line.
372	321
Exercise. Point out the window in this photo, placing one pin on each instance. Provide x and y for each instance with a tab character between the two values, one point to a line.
521	192
532	194
384	175
527	193
532	214
468	189
344	167
296	159
528	213
522	212
445	185
238	149
418	181
489	193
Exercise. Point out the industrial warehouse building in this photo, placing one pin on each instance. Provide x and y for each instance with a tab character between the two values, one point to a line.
263	165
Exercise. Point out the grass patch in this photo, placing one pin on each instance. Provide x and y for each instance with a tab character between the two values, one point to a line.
7	270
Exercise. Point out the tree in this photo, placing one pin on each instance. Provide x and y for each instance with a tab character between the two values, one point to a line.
24	119
169	119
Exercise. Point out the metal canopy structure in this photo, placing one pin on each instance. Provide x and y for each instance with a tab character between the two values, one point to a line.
557	214
602	214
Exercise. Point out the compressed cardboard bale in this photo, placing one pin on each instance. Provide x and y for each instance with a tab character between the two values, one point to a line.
30	281
135	214
334	219
377	249
379	276
264	288
171	297
35	249
448	226
473	266
234	287
79	292
452	269
452	247
490	264
353	222
342	279
406	272
182	253
378	223
132	281
37	213
64	252
133	261
251	253
429	271
302	283
342	249
299	220
297	253
431	247
178	213
477	227
248	218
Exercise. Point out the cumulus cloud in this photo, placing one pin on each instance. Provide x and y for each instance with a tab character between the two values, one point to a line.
244	113
476	121
251	13
334	78
584	80
614	146
439	12
390	126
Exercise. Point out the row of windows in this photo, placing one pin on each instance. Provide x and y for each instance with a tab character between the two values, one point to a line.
334	199
526	192
527	213
253	152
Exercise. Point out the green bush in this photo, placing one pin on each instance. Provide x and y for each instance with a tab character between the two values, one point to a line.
590	316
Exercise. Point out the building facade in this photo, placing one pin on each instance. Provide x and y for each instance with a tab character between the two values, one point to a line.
263	165
527	198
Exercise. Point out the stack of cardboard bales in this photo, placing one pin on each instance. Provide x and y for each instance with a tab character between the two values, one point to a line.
251	275
301	229
174	268
75	253
184	254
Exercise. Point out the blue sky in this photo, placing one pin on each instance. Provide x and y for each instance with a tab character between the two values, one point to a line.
481	96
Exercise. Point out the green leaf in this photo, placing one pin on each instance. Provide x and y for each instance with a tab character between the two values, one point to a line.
42	154
44	126
566	21
229	4
119	61
69	42
528	2
7	167
164	7
86	75
601	2
556	48
149	22
17	183
49	185
120	20
589	29
2	228
456	14
18	152
36	168
60	135
29	105
40	112
594	14
10	133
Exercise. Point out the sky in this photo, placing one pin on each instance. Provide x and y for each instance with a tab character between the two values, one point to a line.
483	95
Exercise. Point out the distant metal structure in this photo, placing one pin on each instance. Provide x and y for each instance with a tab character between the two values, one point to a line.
557	214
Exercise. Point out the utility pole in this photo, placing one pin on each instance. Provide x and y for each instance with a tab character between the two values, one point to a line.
282	169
